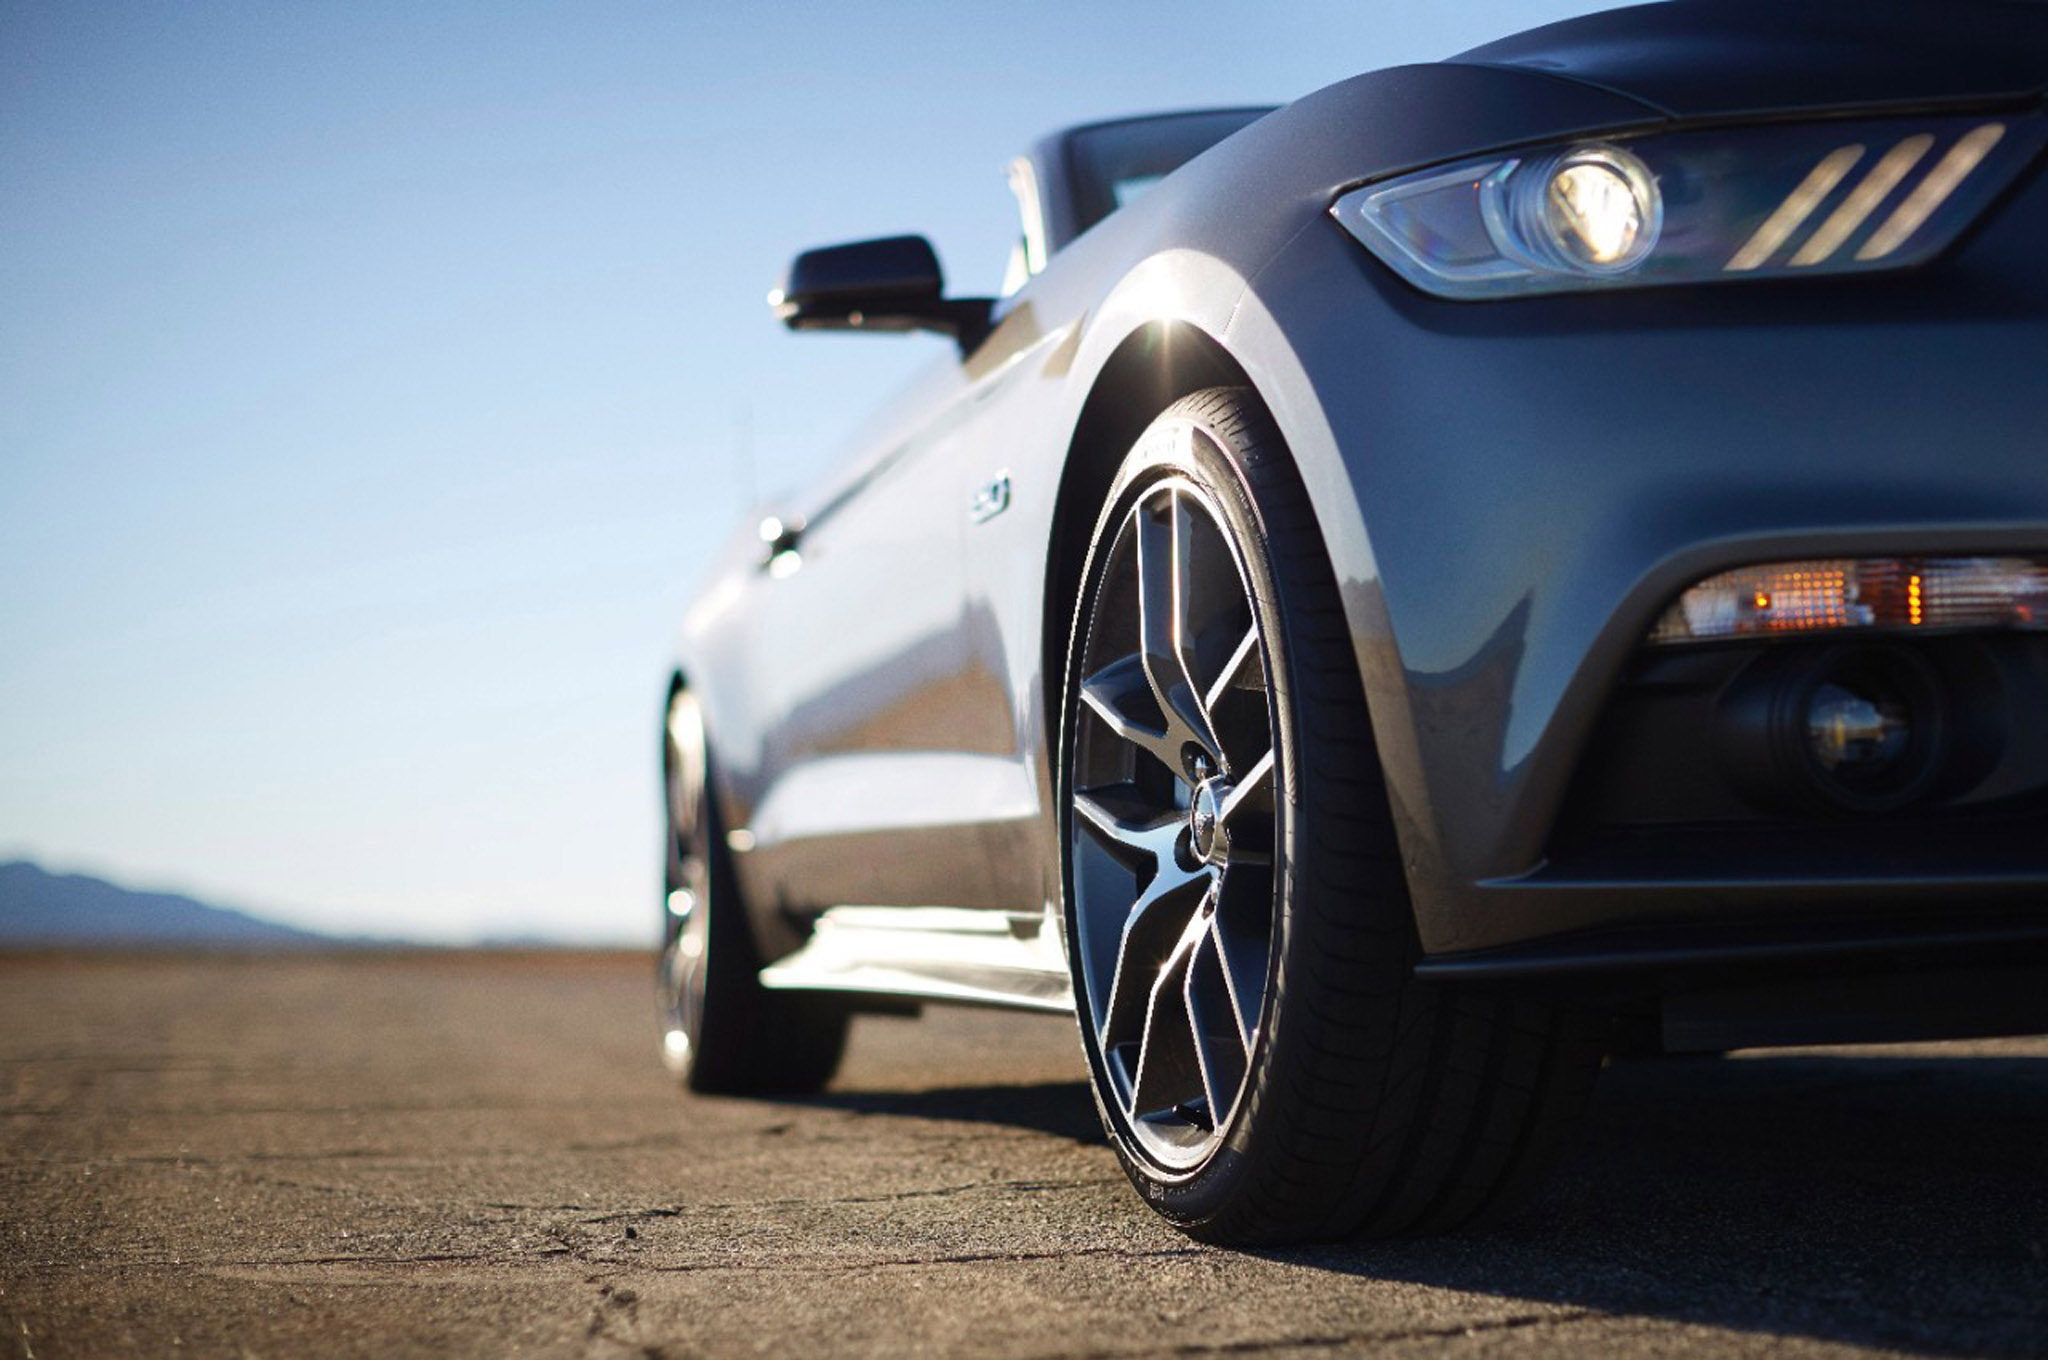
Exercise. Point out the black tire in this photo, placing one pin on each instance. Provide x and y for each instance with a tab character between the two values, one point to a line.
722	1031
1361	1102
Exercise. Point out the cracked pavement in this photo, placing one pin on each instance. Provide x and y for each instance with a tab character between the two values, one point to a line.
479	1154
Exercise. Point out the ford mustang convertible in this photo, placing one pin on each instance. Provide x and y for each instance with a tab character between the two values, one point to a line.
1496	563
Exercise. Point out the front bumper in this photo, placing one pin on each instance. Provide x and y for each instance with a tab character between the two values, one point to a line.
1513	491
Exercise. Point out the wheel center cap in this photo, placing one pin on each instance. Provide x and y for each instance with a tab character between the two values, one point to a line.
1206	833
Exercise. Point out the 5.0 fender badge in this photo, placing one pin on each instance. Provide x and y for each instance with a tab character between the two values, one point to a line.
990	499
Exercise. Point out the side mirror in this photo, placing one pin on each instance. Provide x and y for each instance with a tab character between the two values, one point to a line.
892	284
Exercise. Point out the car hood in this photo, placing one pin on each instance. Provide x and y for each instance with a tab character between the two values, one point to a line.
1717	58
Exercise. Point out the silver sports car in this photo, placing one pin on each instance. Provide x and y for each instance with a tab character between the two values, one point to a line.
1497	562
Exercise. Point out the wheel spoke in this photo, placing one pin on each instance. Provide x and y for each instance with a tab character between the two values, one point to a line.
1259	776
1222	1045
1150	935
1169	1070
1122	695
1137	835
1165	639
1235	669
1243	971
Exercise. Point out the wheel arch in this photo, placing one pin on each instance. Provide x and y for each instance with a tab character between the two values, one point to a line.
677	684
694	673
1153	367
711	772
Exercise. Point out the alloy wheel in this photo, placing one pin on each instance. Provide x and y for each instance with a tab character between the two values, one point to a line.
1173	824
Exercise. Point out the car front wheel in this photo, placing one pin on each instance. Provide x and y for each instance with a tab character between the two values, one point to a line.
1238	923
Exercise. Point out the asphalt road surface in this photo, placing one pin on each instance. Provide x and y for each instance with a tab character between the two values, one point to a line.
479	1155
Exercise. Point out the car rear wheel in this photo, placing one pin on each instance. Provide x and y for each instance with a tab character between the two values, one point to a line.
721	1029
1237	918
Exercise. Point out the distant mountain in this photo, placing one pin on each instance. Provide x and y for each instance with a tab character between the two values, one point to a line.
41	908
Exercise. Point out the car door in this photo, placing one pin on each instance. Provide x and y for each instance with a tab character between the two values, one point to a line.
887	734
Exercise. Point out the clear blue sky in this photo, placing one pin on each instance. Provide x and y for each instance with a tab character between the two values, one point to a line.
374	380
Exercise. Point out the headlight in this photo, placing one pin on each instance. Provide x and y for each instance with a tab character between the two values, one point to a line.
1594	210
1691	207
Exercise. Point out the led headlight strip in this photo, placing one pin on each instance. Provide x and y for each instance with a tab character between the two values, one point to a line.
1692	207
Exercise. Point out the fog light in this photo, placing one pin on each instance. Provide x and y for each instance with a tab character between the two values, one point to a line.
1866	724
1854	736
1847	729
1868	721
